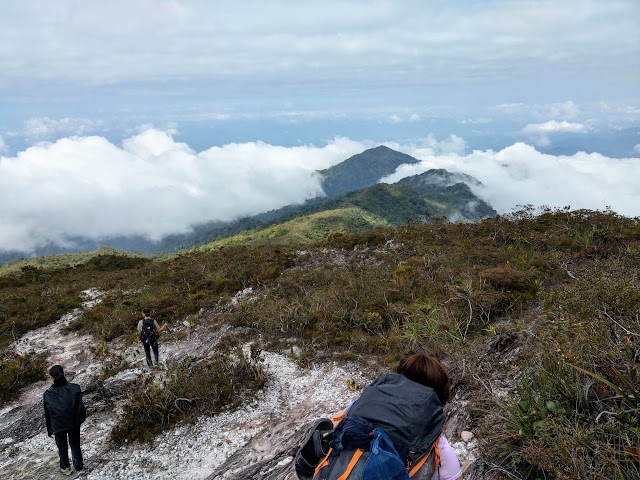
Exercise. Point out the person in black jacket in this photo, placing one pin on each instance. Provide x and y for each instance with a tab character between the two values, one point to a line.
150	336
64	412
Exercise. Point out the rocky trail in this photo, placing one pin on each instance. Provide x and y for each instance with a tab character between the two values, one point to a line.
257	441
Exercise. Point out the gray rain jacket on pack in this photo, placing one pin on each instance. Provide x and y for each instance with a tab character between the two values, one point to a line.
63	407
405	409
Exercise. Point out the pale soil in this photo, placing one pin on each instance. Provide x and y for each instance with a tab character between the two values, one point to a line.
259	437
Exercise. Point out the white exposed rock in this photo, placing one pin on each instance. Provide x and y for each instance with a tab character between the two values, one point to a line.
241	295
466	436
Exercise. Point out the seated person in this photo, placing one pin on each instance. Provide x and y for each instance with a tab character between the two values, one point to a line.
396	405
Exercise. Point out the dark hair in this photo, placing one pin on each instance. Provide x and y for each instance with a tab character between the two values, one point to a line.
57	373
146	311
426	369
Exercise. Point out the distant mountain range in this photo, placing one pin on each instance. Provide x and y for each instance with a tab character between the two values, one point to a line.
354	201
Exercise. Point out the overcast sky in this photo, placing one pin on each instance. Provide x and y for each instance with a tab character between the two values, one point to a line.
146	116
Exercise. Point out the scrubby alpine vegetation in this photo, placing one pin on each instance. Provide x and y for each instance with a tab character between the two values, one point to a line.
537	314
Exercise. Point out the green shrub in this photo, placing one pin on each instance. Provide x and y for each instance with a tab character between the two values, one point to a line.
507	278
191	388
18	371
566	425
114	262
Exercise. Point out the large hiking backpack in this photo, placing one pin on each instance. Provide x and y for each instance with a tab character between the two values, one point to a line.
148	334
390	433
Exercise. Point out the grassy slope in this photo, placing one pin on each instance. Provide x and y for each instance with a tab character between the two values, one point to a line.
306	229
61	261
517	306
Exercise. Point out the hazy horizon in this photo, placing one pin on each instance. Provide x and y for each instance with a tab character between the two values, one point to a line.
144	118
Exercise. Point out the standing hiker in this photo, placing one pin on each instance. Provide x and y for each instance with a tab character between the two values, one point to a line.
393	431
64	412
149	332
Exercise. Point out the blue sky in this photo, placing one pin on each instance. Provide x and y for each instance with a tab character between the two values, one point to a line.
299	77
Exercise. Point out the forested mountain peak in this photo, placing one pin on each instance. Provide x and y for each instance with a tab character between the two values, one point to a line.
362	170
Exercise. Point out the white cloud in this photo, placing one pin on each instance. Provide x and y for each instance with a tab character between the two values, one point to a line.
153	185
568	109
167	60
430	146
3	146
218	116
475	121
45	128
557	111
411	118
92	42
519	175
553	126
539	132
510	108
636	148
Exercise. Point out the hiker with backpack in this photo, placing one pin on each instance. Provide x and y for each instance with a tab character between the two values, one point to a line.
64	412
393	431
149	332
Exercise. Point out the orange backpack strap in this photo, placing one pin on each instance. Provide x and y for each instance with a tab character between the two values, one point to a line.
437	464
414	468
338	416
419	463
352	463
323	463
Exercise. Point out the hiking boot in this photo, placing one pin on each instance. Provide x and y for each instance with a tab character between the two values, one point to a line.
66	471
82	471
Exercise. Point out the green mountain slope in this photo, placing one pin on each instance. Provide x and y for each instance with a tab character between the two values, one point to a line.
65	260
393	204
304	229
377	206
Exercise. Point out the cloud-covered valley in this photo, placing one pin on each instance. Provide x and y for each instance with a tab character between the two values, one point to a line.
153	185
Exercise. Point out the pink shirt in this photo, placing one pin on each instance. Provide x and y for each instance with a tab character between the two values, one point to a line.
449	464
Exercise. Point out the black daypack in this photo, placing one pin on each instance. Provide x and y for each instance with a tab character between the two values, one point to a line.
148	334
314	448
395	420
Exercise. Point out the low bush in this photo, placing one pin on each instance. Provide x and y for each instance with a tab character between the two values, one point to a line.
576	412
564	425
18	371
114	262
191	388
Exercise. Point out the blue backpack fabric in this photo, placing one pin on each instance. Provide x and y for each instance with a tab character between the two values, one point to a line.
352	432
383	462
362	452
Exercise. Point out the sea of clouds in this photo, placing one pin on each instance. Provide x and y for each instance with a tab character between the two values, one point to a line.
154	185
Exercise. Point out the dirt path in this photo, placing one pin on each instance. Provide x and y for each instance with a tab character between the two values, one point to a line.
256	441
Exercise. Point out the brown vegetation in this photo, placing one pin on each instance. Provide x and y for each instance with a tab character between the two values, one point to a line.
558	292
